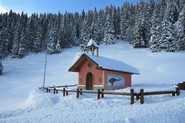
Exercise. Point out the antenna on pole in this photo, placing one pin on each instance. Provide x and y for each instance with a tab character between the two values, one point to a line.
45	65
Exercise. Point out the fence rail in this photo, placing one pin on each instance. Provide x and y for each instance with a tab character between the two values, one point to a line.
101	93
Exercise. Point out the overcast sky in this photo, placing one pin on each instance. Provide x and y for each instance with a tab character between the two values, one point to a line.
54	6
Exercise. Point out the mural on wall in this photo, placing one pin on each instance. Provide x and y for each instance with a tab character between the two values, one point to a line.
115	81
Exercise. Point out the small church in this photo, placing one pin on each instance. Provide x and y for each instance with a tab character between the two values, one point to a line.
97	72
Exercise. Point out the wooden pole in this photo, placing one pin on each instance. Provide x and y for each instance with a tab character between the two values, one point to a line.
98	95
77	93
54	90
97	51
183	85
102	94
180	85
131	96
64	92
177	91
92	51
141	96
80	91
173	93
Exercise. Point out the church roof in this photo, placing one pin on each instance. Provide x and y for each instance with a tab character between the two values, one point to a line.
104	64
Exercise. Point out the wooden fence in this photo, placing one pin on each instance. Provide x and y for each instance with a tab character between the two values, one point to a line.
181	86
101	93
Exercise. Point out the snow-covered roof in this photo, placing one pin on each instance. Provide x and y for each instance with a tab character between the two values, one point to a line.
92	42
107	64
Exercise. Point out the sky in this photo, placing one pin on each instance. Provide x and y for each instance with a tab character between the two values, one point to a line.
54	6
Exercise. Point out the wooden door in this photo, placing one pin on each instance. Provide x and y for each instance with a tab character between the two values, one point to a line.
89	81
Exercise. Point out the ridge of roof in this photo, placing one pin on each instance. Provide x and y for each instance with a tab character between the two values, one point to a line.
109	64
92	42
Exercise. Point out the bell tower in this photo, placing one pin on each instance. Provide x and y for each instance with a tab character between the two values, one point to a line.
92	46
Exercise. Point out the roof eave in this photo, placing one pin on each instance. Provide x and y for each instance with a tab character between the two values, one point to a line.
119	71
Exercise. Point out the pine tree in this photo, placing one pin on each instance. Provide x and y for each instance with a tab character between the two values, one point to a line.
109	31
124	17
52	38
140	34
180	27
155	29
96	26
1	67
116	20
168	41
86	33
31	32
172	12
16	42
1	47
37	42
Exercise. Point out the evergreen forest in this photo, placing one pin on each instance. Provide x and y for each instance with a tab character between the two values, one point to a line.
157	24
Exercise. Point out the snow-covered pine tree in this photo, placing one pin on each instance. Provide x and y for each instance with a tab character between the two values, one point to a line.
37	42
1	47
124	17
155	29
172	11
168	41
1	67
109	31
85	35
180	28
67	24
23	44
58	26
140	33
162	7
96	26
86	32
52	38
4	35
16	42
131	23
116	20
31	32
141	28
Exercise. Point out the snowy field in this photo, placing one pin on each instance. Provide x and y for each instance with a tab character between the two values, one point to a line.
22	102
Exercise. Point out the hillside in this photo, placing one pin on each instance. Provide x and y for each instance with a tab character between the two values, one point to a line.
22	101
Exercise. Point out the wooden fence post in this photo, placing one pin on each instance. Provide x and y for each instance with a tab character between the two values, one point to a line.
131	96
177	91
64	92
77	93
183	85
98	95
173	93
80	91
54	90
102	94
180	85
141	96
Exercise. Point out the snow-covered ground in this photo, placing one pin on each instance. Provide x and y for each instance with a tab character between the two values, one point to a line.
22	101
